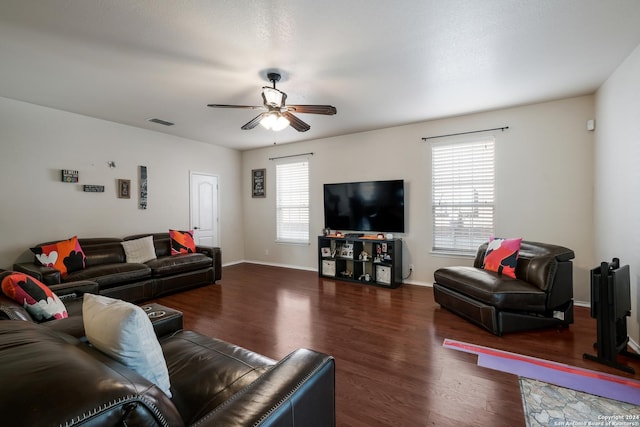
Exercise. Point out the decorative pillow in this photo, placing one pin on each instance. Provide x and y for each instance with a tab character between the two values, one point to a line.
124	332
139	250
182	242
65	256
501	256
41	303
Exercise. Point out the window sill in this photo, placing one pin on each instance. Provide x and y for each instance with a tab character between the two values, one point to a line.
294	242
445	254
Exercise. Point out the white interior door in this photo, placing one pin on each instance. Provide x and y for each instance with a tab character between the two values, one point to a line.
204	209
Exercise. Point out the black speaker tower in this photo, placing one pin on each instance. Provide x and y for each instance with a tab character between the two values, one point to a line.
610	306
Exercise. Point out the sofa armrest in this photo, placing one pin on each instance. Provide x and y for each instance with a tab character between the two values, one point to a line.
216	254
47	275
75	289
298	391
11	310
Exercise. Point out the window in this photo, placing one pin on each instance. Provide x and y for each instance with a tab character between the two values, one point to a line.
292	202
462	195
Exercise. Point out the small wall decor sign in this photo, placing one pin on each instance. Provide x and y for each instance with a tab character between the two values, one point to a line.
143	187
258	183
124	188
93	188
69	175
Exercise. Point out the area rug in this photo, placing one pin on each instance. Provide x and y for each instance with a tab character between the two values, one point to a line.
546	405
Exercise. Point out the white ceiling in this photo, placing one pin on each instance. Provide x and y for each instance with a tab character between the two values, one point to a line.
381	63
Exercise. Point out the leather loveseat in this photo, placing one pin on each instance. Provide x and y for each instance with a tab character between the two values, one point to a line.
540	296
51	378
106	265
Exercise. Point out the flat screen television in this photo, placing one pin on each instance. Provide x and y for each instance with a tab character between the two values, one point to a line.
365	206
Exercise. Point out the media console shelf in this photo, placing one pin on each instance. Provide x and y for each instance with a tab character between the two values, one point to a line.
361	259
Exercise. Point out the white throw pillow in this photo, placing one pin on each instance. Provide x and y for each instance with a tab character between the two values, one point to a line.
124	332
139	250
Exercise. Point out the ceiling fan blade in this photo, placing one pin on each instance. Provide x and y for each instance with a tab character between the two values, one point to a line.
250	107
254	122
296	123
328	110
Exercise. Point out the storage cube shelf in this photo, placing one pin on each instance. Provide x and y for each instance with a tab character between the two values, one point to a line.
365	260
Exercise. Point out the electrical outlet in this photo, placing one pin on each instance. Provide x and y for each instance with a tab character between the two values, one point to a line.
410	267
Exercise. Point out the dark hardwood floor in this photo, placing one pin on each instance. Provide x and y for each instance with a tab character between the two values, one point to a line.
391	368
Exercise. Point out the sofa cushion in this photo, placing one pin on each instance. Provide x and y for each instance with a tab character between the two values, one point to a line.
65	256
39	301
206	371
502	256
169	265
182	242
124	332
139	250
493	289
107	275
103	250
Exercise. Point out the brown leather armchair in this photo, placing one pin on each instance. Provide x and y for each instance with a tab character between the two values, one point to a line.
540	296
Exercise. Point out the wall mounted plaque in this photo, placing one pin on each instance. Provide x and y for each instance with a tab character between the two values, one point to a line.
69	175
93	188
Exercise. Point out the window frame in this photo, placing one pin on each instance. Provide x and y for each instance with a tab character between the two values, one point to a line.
288	233
463	174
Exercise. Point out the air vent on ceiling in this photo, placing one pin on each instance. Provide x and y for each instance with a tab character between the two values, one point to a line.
161	122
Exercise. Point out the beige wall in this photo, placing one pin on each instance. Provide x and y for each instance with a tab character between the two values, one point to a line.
544	188
617	189
38	142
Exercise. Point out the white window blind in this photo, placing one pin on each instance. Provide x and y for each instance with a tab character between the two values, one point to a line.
292	202
463	195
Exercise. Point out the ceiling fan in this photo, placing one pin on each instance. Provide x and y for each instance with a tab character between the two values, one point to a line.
278	115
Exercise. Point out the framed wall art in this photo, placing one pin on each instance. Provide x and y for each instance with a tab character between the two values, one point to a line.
68	175
258	183
143	187
124	188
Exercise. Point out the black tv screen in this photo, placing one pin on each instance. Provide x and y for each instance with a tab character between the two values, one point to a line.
365	206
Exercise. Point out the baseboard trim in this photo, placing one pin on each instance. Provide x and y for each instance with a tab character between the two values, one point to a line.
418	283
272	264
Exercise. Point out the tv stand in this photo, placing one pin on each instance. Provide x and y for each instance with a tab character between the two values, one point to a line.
358	258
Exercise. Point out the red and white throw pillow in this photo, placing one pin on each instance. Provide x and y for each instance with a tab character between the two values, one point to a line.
182	242
65	256
502	255
40	301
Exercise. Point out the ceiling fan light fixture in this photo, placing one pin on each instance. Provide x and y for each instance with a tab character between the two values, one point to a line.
273	97
274	121
280	123
277	115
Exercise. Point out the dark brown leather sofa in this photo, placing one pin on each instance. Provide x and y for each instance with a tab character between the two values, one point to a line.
48	377
106	265
540	296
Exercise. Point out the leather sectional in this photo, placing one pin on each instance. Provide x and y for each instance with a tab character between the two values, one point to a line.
540	296
51	375
106	265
